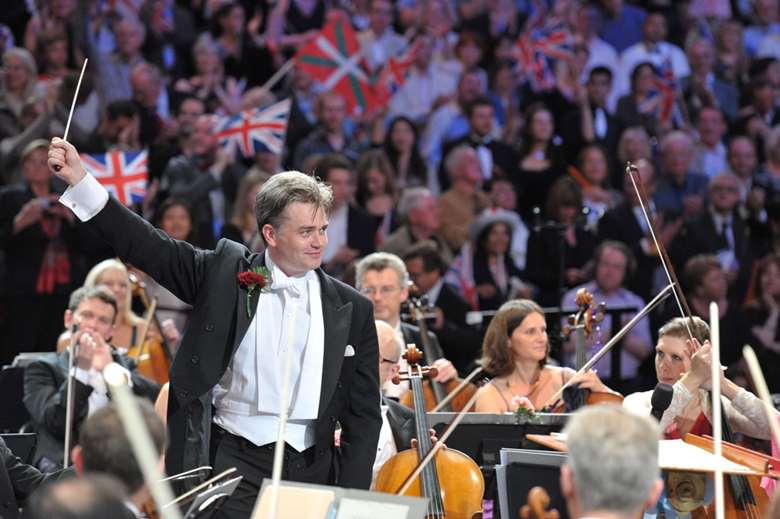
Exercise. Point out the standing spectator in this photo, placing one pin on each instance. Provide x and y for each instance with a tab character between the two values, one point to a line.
681	190
41	265
151	98
303	93
559	249
380	42
208	82
598	196
638	107
731	60
766	23
540	161
622	25
600	53
329	136
652	49
402	146
495	156
427	86
710	154
350	229
113	70
242	226
168	146
419	214
703	88
242	59
206	177
743	163
464	200
502	196
376	193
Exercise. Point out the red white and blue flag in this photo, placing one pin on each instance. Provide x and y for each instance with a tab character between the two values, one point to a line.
123	173
393	75
662	100
252	131
535	50
334	59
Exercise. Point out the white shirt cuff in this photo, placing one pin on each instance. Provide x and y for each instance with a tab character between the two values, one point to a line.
82	375
85	199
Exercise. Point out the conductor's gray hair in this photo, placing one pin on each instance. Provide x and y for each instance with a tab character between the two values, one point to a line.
379	261
613	455
287	188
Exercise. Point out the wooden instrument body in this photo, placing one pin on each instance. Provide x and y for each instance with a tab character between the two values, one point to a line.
431	401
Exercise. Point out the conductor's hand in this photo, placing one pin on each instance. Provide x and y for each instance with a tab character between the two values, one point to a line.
64	161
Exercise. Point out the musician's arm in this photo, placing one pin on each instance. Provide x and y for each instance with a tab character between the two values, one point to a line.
745	411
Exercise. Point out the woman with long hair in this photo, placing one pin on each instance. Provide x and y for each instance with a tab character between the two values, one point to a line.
598	196
514	353
762	313
376	192
641	106
402	148
496	276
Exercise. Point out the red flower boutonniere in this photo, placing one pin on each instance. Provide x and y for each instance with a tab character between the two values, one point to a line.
256	278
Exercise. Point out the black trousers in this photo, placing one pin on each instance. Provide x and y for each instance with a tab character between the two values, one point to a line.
256	463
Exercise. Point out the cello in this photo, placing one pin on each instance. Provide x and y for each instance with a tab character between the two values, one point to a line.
453	482
152	354
435	392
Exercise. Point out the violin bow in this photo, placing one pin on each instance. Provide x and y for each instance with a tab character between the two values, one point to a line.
671	275
663	294
70	397
717	408
140	440
438	445
465	382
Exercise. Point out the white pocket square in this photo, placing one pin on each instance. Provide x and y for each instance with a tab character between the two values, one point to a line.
349	351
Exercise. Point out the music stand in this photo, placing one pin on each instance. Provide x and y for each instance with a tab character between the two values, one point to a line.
522	469
210	501
13	413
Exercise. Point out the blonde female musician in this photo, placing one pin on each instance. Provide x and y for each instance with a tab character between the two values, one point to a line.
515	353
685	365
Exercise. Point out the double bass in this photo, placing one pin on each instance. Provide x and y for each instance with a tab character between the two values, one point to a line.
452	482
435	392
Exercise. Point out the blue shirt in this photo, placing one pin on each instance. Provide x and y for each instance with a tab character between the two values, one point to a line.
669	197
625	30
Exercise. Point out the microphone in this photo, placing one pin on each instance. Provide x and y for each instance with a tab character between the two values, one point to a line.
662	397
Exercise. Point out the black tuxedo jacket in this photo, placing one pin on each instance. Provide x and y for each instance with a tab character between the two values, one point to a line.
504	157
206	279
460	343
401	420
45	396
17	481
412	335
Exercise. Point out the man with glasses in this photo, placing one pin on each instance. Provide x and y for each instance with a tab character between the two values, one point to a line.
382	277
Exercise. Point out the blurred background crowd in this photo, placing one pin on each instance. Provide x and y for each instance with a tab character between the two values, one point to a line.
493	165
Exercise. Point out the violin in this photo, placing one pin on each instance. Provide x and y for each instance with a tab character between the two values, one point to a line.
152	355
452	482
435	392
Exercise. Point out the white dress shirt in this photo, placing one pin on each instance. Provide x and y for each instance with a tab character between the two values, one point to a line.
641	52
248	397
385	448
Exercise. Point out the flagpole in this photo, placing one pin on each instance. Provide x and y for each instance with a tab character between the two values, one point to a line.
254	96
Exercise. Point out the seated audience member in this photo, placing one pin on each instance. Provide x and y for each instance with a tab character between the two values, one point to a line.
350	229
464	200
611	468
104	448
329	136
402	146
597	194
426	270
685	365
503	196
94	497
382	277
242	227
560	245
94	312
419	214
614	264
710	157
514	353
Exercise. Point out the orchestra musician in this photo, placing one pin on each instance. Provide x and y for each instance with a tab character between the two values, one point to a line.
104	447
685	365
382	277
515	351
611	470
46	382
225	383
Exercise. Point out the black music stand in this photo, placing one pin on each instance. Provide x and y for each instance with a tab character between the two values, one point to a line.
22	445
209	502
13	413
522	469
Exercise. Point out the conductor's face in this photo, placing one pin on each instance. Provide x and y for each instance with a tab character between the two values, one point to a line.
296	245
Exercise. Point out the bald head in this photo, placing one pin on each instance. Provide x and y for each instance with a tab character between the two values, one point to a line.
389	351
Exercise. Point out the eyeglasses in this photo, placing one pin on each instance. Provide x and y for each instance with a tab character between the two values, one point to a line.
385	291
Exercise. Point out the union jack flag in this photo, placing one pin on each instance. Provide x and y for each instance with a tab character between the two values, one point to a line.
256	130
122	173
393	75
334	58
662	100
536	49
